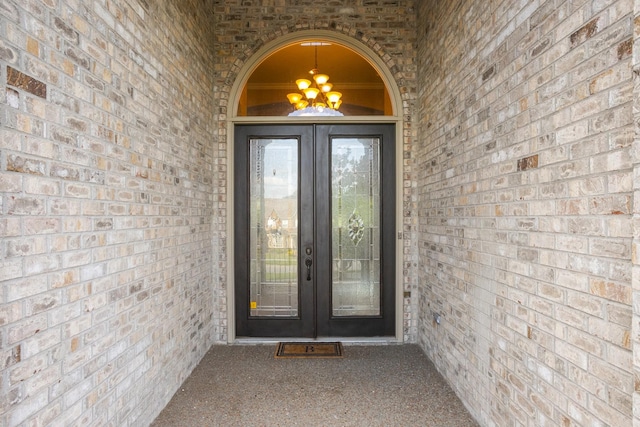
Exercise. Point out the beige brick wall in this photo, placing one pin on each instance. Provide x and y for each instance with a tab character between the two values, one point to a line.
107	203
525	192
635	249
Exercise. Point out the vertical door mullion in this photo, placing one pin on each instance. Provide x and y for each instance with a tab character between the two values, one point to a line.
323	227
306	221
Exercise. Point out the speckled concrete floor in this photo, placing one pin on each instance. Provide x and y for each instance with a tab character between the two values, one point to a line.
394	385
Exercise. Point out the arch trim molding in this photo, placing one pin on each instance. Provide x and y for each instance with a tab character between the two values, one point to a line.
359	47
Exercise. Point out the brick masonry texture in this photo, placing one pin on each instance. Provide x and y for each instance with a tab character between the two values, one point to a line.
525	157
106	174
521	203
635	248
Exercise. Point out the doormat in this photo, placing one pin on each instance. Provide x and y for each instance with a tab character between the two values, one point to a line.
311	350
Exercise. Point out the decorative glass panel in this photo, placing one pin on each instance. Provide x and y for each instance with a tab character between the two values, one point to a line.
273	225
355	204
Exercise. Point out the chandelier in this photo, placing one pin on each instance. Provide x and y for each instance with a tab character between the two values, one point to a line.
316	97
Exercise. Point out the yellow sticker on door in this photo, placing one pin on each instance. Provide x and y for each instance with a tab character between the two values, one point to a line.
253	305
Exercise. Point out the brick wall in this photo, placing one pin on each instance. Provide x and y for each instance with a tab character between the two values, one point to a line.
635	250
107	205
525	207
386	27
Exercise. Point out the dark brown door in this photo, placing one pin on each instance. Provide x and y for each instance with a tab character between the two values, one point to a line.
314	230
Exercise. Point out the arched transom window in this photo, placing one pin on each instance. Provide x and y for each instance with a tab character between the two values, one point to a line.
314	77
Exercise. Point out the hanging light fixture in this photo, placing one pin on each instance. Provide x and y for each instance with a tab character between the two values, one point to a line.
317	97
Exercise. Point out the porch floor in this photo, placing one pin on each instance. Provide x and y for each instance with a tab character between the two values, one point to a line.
373	385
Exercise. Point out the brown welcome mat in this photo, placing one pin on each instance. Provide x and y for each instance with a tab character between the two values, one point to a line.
312	350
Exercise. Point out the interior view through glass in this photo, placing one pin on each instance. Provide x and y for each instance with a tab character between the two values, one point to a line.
314	73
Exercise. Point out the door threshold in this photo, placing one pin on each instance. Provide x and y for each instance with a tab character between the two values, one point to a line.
343	340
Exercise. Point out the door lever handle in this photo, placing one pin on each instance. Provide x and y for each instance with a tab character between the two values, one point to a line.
308	263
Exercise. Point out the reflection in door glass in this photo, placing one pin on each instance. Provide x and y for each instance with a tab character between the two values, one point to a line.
355	204
273	227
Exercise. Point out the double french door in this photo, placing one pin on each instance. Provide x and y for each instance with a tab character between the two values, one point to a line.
314	230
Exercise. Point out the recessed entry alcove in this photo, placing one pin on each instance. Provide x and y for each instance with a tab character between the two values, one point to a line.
507	211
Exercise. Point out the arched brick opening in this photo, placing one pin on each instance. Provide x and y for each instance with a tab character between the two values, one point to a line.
402	96
368	48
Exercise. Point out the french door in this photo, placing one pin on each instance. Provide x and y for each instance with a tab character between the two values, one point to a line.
314	230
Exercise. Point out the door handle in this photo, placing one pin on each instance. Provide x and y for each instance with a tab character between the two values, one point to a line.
308	261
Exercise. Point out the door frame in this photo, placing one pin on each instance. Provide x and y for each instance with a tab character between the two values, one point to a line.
316	317
396	119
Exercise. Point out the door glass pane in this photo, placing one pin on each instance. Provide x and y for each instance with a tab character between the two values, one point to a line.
355	205
273	224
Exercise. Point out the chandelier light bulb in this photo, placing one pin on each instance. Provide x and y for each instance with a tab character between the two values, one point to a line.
311	92
326	87
321	79
303	84
294	98
334	96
